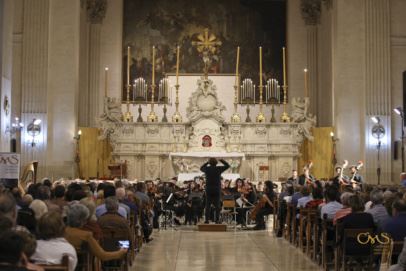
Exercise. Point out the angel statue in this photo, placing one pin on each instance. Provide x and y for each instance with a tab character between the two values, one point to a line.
300	114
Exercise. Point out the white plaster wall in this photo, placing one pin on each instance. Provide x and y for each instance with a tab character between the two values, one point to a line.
398	65
349	78
296	49
63	86
6	28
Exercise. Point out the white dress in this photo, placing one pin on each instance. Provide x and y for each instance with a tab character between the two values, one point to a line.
51	252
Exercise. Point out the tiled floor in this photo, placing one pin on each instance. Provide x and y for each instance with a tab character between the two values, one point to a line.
188	249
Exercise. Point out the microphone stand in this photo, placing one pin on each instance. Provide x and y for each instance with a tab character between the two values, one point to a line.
378	170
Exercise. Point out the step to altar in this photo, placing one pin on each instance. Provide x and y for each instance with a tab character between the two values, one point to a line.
212	227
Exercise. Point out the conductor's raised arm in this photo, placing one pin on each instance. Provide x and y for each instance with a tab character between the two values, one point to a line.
203	167
226	165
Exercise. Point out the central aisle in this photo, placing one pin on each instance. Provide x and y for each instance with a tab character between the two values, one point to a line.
242	250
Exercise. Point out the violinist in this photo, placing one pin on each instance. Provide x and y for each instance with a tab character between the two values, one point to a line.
264	206
306	177
247	199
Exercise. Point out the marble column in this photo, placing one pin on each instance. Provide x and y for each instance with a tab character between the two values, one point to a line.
34	78
6	30
63	86
90	95
311	11
378	87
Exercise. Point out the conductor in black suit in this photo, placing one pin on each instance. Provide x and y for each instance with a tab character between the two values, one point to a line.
213	186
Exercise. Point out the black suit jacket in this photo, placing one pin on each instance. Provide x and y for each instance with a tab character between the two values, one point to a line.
213	176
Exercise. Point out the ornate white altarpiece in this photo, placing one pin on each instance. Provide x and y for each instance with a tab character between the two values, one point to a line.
258	151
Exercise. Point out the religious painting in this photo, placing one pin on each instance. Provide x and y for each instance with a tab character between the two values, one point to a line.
168	24
206	141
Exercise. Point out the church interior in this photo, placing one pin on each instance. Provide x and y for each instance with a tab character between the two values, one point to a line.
220	135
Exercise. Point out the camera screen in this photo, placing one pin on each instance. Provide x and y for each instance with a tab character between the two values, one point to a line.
124	243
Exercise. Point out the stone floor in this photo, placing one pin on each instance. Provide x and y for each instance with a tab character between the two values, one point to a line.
188	249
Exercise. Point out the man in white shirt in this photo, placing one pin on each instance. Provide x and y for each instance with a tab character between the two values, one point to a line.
332	205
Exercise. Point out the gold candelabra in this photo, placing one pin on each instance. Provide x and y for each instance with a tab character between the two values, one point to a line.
236	118
152	117
260	116
177	118
127	117
285	117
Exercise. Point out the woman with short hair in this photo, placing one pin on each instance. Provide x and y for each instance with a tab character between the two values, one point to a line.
77	217
52	246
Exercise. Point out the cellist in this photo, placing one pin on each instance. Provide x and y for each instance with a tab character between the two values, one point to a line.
264	206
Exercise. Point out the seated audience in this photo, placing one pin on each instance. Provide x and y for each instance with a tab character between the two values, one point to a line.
306	197
92	224
8	209
377	210
12	256
357	219
396	226
401	265
297	195
109	191
77	216
26	216
120	194
317	196
331	207
112	219
39	207
346	207
51	245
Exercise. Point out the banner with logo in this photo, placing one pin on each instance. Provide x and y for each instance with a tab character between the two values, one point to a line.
9	169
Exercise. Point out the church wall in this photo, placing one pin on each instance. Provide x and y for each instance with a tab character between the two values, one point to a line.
6	26
349	79
63	86
398	66
325	100
296	49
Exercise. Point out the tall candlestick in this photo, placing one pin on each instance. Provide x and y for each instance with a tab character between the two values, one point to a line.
128	65
305	82
153	65
260	66
177	65
284	66
236	65
106	71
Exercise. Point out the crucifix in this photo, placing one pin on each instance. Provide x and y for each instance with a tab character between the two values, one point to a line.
206	45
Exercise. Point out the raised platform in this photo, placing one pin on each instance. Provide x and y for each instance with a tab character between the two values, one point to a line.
212	227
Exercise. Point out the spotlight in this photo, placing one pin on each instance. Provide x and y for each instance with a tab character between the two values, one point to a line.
376	119
331	134
398	110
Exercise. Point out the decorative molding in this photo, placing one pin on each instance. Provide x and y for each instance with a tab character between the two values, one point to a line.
399	41
311	11
96	10
328	4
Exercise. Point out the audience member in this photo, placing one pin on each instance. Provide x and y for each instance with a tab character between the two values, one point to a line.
91	224
39	207
346	207
377	210
52	246
332	205
77	217
396	226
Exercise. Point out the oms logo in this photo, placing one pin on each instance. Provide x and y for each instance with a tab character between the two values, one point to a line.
366	238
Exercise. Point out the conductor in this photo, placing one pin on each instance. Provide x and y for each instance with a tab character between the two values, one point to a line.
213	186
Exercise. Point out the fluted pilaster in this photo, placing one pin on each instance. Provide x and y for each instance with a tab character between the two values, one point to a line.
378	85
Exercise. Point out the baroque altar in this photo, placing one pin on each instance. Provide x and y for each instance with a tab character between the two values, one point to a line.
165	149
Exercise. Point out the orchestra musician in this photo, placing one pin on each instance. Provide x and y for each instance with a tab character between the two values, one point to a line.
306	177
294	179
213	186
264	206
340	178
355	176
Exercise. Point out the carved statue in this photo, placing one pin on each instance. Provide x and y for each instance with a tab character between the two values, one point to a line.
204	102
300	114
111	117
